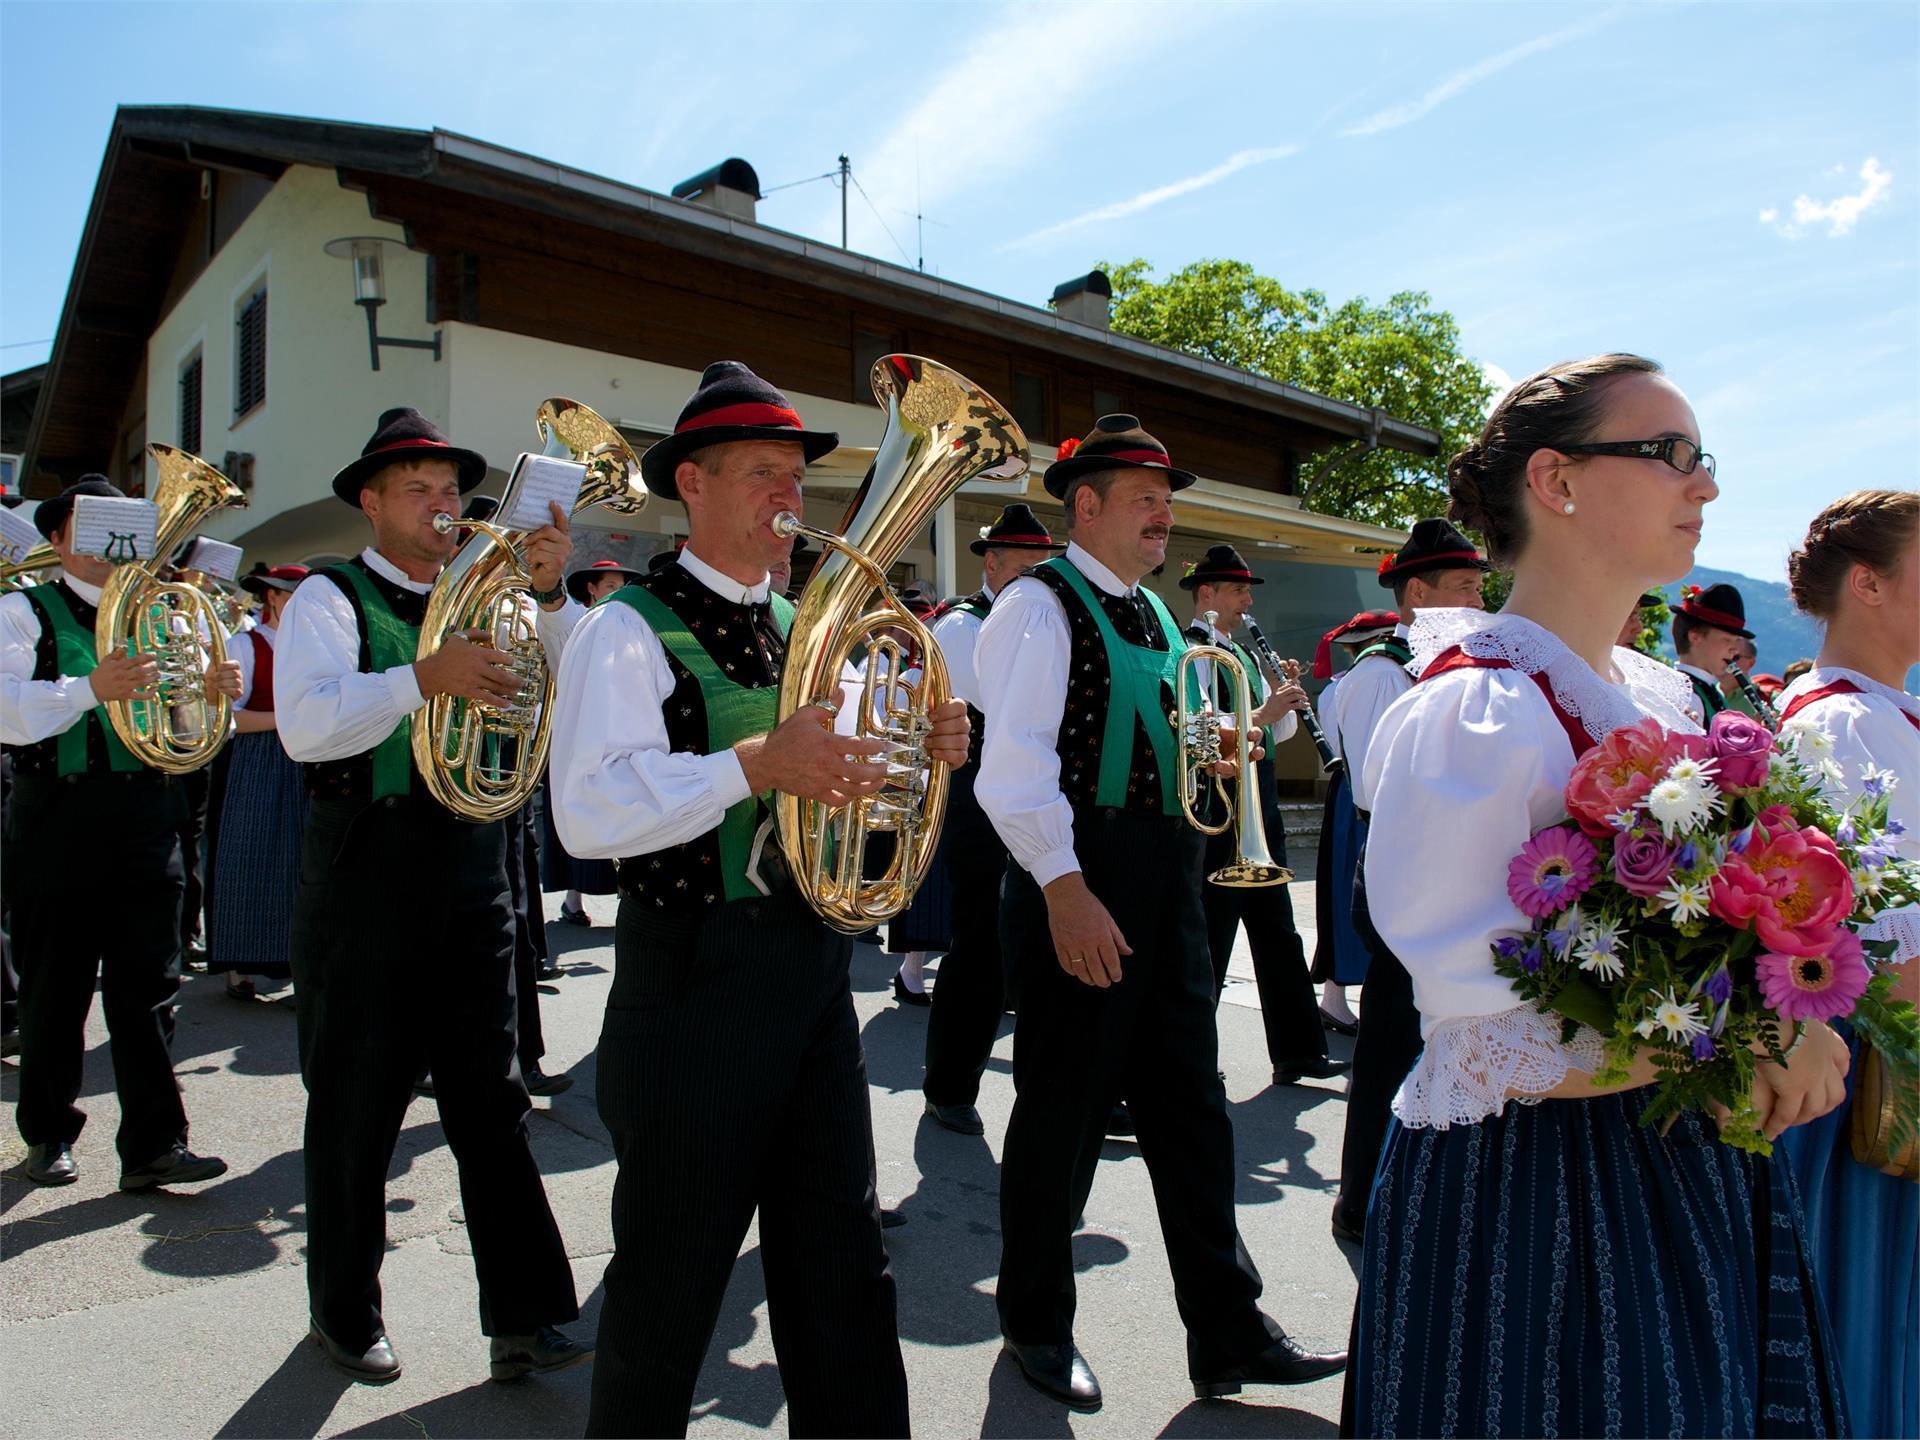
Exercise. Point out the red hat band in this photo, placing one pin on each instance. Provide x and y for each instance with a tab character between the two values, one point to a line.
1712	616
747	413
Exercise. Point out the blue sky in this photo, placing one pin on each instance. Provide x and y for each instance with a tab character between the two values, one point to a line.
1727	187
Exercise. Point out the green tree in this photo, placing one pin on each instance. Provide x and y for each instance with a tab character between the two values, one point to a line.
1403	356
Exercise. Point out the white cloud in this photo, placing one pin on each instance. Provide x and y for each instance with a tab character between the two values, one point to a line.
1840	214
1407	111
1499	379
1147	199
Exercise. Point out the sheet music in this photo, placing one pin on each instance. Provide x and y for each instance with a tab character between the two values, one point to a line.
112	528
17	536
538	480
212	557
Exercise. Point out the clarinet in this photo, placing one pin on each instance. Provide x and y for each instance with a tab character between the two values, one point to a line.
1766	712
1330	763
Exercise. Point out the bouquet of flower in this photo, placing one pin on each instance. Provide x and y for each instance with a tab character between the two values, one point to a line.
1705	893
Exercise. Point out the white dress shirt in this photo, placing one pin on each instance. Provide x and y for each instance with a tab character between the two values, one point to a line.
617	789
957	633
1694	707
33	710
325	707
1364	695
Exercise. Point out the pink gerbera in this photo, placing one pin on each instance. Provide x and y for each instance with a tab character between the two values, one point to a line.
1815	987
1552	870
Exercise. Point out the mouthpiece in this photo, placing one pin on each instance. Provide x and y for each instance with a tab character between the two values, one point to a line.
445	524
787	525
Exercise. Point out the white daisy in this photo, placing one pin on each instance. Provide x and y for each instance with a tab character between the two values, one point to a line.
1807	739
1686	901
1867	883
1681	1022
1682	805
1687	767
1645	1029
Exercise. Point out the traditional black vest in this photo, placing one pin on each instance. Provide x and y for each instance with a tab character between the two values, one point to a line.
103	751
352	778
746	644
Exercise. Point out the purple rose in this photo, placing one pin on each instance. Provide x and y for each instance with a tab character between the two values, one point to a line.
1642	862
1741	744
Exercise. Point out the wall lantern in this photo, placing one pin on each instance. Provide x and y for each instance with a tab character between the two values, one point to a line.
370	291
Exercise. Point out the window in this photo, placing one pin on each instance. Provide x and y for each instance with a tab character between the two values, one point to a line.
868	347
1108	402
9	474
250	353
191	375
1030	405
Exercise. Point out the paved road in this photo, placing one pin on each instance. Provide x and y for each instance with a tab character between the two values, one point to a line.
184	1314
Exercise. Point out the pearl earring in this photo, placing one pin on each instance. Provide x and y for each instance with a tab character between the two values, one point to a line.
1567	509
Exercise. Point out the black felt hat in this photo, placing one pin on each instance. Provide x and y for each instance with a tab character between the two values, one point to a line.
1433	545
732	403
53	513
663	558
1221	565
1017	528
406	434
1116	442
1719	606
578	581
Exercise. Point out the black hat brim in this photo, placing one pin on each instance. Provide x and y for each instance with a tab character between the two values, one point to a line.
352	479
578	581
1063	473
663	457
1015	542
1427	567
1217	577
260	584
1716	625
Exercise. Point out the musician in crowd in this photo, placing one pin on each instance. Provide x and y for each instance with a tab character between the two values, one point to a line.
262	815
781	576
1438	568
1222	586
75	785
403	932
1079	775
1746	655
1708	626
730	1072
972	992
1635	625
1339	956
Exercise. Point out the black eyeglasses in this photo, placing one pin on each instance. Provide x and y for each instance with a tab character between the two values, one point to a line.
1682	454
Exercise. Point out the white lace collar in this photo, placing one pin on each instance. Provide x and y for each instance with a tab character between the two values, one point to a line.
1647	687
1826	674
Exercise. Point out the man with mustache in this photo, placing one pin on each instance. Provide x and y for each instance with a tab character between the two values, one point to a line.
1079	775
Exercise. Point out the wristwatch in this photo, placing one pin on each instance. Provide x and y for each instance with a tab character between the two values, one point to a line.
547	597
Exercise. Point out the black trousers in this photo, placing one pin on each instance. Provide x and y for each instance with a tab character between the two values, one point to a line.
529	934
403	959
1288	1011
971	995
9	977
93	876
1151	1037
198	789
731	1079
1383	1052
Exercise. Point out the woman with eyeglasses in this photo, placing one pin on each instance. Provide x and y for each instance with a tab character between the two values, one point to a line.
1537	1261
1858	571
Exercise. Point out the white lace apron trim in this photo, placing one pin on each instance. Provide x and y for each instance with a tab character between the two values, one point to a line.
1473	1065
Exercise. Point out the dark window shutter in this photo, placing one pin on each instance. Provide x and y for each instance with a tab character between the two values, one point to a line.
192	384
250	354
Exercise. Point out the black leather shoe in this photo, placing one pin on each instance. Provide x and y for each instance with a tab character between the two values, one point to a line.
892	1219
909	997
541	1353
375	1365
1337	1025
1322	1069
1281	1363
178	1166
961	1119
1119	1122
541	1083
548	970
570	916
1345	1229
423	1085
1059	1371
193	956
52	1164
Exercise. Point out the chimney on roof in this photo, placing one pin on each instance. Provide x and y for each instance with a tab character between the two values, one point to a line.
730	187
1084	300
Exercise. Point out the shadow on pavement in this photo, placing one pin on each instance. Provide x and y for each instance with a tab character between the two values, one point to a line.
293	1401
1230	1417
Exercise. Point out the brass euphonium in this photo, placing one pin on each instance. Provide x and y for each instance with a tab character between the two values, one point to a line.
175	729
942	431
1196	729
484	761
30	569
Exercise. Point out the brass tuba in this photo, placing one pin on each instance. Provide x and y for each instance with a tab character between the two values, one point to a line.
942	431
483	761
30	569
176	729
1197	733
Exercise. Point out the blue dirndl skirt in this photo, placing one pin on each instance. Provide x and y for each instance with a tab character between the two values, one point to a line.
256	865
1560	1269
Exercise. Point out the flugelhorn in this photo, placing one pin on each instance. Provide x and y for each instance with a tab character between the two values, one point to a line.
1768	717
176	729
1330	763
1196	729
942	431
483	762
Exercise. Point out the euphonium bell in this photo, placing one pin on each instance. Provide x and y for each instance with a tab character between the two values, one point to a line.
30	569
484	761
176	729
942	431
1196	729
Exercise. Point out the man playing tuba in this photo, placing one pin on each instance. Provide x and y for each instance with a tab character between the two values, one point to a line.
403	934
77	786
730	1070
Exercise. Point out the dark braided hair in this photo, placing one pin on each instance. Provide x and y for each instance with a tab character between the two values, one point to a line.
1874	528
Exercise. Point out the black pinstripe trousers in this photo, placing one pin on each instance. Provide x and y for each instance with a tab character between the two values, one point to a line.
731	1079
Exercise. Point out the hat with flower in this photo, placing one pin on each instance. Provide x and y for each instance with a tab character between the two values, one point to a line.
1116	442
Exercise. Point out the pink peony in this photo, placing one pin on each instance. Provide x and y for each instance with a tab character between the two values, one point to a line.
1618	772
1790	885
1552	870
1815	987
1642	861
1741	744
